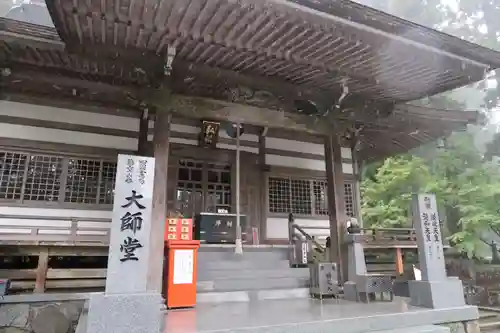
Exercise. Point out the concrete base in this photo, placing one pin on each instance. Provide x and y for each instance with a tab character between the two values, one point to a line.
437	295
353	293
350	291
138	313
314	316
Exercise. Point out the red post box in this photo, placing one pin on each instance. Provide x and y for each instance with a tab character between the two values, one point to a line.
179	277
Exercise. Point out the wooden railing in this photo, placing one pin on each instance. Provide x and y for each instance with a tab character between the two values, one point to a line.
389	237
56	279
372	237
53	230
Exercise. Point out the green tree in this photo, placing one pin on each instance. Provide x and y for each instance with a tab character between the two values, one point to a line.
477	199
387	194
466	185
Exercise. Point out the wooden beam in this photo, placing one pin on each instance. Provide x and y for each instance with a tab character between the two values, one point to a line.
64	77
71	103
405	119
205	108
28	34
41	270
159	213
399	261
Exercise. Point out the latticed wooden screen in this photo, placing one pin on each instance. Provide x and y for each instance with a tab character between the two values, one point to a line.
305	197
27	177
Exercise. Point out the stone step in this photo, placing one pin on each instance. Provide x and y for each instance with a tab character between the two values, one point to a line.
251	283
418	329
270	255
220	274
252	295
242	264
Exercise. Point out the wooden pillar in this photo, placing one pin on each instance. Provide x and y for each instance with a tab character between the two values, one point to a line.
41	271
159	212
144	147
399	261
336	204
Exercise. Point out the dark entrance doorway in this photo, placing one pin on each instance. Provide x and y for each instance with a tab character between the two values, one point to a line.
202	187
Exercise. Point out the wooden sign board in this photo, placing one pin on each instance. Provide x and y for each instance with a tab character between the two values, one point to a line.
209	135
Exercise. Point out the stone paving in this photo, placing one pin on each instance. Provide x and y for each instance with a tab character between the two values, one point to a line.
43	317
311	316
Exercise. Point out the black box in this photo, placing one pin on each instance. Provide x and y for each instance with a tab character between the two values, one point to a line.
217	228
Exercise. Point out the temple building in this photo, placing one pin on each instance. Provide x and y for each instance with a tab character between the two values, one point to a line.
319	89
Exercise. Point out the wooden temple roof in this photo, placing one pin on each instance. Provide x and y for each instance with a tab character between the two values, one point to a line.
251	60
319	44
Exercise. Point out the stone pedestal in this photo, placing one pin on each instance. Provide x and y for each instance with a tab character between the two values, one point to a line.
436	290
437	294
350	291
357	266
120	313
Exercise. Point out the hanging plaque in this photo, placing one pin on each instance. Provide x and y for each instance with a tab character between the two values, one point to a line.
209	134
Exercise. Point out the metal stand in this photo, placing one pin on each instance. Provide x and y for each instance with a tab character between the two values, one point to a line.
238	249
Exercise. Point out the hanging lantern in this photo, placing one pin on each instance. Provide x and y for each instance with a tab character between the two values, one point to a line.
231	130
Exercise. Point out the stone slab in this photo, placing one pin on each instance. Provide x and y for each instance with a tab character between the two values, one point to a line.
437	294
306	315
35	298
419	329
137	313
41	317
252	295
128	266
429	239
222	297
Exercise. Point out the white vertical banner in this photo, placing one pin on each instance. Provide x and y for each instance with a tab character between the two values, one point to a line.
429	240
131	225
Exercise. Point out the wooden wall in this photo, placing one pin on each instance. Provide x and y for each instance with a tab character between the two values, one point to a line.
30	127
300	156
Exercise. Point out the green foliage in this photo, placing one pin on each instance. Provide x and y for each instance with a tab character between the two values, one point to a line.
466	185
387	195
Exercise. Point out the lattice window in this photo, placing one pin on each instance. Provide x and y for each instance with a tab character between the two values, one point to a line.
28	177
320	191
82	181
305	197
107	183
12	169
349	199
43	180
279	195
300	200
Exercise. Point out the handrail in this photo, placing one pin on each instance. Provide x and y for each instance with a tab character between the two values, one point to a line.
292	227
307	236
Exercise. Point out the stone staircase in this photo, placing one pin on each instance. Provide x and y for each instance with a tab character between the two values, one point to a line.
260	273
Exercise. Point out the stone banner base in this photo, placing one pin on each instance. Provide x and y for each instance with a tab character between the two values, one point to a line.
120	313
437	294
